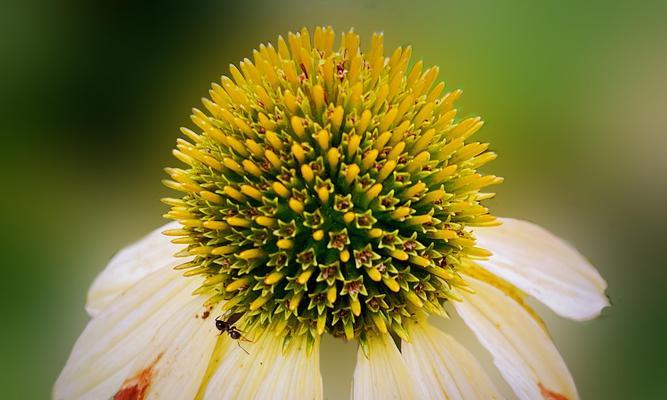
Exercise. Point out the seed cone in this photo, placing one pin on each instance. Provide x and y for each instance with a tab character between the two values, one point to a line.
329	190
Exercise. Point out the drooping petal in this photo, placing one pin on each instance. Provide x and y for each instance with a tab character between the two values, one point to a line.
174	362
265	372
383	375
103	355
130	265
519	343
443	368
544	266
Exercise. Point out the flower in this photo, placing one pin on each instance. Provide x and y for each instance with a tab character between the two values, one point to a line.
329	192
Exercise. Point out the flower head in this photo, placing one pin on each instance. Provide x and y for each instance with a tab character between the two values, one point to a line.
329	190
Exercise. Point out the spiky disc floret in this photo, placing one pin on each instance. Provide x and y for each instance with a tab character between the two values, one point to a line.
329	191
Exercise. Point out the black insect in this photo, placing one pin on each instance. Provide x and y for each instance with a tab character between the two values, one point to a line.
225	326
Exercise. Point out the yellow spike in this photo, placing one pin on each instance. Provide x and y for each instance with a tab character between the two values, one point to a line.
255	148
331	294
388	119
252	168
345	256
373	191
425	113
298	153
418	220
413	298
417	163
200	251
348	217
307	173
296	205
266	123
175	232
222	250
233	165
237	146
304	276
478	252
251	254
273	159
297	127
351	173
444	173
391	284
420	261
386	169
233	193
274	140
398	132
423	141
215	225
396	152
318	96
240	222
323	139
290	101
318	235
259	302
369	159
433	196
401	212
375	233
252	192
265	221
285	244
374	274
237	284
323	194
210	196
332	157
337	118
295	300
379	322
399	255
321	324
353	145
413	191
280	189
362	124
355	306
382	140
441	272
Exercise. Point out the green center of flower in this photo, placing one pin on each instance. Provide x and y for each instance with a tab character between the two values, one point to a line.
329	191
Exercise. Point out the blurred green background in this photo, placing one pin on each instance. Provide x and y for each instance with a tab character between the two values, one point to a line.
92	94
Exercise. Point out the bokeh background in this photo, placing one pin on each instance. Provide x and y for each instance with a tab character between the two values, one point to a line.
574	94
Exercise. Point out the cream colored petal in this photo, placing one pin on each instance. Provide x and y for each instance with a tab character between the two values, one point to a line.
266	373
384	374
545	267
130	265
103	355
521	347
174	362
443	368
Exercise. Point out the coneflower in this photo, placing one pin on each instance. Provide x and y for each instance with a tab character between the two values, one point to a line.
329	191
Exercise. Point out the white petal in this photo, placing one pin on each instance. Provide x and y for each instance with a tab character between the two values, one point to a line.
545	267
443	368
174	362
130	265
384	374
521	347
103	355
265	373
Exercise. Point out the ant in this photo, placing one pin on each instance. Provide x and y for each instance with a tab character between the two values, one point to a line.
229	328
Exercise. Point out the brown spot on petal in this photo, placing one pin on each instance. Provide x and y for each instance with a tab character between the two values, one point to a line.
136	387
550	395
